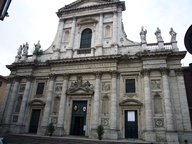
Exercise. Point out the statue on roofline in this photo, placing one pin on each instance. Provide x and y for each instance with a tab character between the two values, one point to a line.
158	35
25	48
173	35
19	52
143	35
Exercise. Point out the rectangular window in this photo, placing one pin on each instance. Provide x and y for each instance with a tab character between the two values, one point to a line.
130	85
40	88
1	83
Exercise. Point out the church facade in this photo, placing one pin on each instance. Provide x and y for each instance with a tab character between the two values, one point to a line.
93	74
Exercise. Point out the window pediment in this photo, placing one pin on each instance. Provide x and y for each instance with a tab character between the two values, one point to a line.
86	21
79	87
36	103
130	102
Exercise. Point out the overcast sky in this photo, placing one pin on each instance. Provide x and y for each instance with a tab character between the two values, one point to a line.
33	20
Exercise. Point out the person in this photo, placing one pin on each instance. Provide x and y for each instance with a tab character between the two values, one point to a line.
158	35
143	35
173	35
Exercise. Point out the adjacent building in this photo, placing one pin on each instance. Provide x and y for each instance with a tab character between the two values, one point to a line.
93	74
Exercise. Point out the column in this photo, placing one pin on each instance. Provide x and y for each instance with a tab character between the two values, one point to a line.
24	101
61	116
12	101
72	38
96	100
5	97
115	33
113	116
149	134
183	100
58	39
99	50
148	101
46	114
167	101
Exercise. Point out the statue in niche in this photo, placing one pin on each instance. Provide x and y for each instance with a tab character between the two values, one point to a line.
25	48
173	35
143	35
158	35
105	105
19	52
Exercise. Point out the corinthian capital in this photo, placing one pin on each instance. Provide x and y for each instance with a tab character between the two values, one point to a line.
164	71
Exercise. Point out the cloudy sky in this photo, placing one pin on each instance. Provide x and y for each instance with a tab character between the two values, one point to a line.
33	20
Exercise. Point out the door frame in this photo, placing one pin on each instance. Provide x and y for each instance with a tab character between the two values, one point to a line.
137	122
31	118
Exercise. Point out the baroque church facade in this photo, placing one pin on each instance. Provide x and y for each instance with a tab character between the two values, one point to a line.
93	74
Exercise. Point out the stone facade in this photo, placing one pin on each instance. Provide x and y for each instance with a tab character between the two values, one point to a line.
3	83
93	74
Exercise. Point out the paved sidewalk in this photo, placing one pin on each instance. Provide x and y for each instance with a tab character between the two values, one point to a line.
34	139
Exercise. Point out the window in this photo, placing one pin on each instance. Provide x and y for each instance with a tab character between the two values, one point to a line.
86	37
130	85
40	88
1	83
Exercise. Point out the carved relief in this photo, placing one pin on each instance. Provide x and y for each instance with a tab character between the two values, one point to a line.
80	84
15	118
155	84
105	121
106	86
54	120
22	88
159	122
58	88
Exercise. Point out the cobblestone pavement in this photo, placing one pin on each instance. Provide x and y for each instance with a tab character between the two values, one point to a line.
27	139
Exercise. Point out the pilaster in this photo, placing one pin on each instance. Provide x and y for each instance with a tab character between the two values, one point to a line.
96	100
183	100
62	111
12	101
149	134
5	98
46	113
24	104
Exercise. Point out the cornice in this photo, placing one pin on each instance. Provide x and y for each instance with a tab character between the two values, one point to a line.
69	8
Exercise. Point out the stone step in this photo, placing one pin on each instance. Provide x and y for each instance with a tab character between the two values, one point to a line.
34	139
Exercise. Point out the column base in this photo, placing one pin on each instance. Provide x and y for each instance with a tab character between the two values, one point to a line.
59	131
172	138
150	136
42	131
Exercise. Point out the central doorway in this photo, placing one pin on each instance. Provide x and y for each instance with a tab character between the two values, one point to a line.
78	121
34	121
131	124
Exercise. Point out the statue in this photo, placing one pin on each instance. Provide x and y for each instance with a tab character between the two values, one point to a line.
19	52
37	46
25	48
143	35
158	35
173	35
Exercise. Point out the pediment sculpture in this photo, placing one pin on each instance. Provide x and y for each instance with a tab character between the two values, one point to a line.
80	85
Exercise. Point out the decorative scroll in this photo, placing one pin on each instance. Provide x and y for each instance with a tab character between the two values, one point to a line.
105	121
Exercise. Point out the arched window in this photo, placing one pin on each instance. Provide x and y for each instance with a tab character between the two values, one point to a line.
66	37
86	38
107	31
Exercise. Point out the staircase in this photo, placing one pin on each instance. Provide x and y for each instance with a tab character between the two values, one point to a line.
34	139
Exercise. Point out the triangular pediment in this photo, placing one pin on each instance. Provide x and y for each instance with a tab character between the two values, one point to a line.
86	3
80	91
